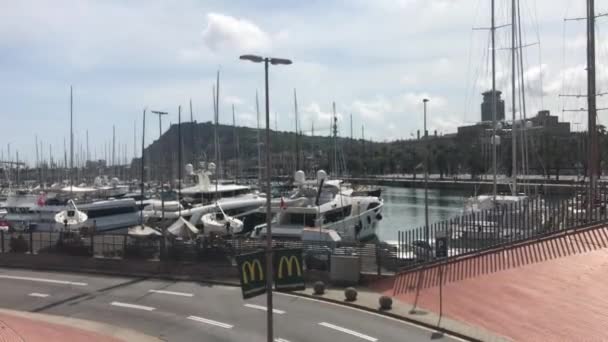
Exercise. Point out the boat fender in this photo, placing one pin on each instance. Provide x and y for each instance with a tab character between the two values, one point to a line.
369	220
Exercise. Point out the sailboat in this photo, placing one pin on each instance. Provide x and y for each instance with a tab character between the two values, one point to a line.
514	204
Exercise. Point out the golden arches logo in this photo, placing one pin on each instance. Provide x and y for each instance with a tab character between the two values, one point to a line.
289	261
251	267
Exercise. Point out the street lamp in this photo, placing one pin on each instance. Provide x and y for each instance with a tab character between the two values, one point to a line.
426	178
269	277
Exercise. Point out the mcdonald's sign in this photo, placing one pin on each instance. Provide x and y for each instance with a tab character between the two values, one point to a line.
252	273
288	270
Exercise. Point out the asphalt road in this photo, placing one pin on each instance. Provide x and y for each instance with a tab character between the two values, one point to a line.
189	311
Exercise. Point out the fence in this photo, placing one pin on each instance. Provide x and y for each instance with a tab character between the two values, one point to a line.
375	258
515	219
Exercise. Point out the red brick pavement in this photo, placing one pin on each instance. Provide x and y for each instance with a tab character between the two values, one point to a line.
16	328
555	290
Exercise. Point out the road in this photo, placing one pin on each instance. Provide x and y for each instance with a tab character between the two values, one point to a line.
188	311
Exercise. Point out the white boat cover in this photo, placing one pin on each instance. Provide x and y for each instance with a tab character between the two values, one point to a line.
143	231
183	229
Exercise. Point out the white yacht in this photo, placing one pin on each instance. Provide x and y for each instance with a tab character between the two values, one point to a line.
237	201
322	205
204	192
27	210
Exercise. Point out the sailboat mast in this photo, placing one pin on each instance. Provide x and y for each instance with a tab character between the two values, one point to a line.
71	143
37	160
335	134
236	145
513	92
179	159
143	141
493	31
257	108
295	105
217	122
591	103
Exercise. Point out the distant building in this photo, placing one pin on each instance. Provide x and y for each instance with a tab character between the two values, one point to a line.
486	106
550	123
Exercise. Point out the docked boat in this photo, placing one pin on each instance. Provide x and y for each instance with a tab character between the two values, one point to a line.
239	202
322	205
31	211
221	223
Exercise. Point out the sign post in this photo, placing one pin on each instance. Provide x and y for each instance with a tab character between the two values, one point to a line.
288	270
252	273
441	252
441	245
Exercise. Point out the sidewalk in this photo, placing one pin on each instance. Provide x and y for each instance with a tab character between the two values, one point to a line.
32	327
551	290
367	300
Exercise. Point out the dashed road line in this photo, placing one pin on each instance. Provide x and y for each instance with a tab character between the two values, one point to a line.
39	295
183	294
348	331
209	321
133	306
44	280
263	308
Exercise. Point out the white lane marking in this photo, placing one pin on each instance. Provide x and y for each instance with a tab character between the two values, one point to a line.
278	339
40	295
209	321
44	280
183	294
366	312
133	306
348	331
260	307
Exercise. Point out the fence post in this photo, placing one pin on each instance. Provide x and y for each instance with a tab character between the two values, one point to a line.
93	238
378	259
31	242
124	245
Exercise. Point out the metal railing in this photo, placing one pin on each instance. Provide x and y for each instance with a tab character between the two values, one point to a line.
375	257
502	225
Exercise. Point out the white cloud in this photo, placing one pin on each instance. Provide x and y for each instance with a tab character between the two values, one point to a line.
226	32
374	109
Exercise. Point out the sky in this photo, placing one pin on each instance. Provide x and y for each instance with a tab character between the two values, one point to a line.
376	60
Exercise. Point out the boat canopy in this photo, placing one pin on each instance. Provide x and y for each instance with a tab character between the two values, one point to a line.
183	229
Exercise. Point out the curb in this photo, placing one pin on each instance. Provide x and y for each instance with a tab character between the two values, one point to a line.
389	314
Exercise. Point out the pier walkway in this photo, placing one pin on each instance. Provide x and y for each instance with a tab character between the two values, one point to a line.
552	289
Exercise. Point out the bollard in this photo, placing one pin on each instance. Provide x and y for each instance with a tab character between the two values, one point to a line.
2	240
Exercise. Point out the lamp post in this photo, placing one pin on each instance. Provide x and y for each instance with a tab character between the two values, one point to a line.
426	178
269	277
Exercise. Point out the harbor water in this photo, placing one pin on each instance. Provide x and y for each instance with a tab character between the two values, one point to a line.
404	209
